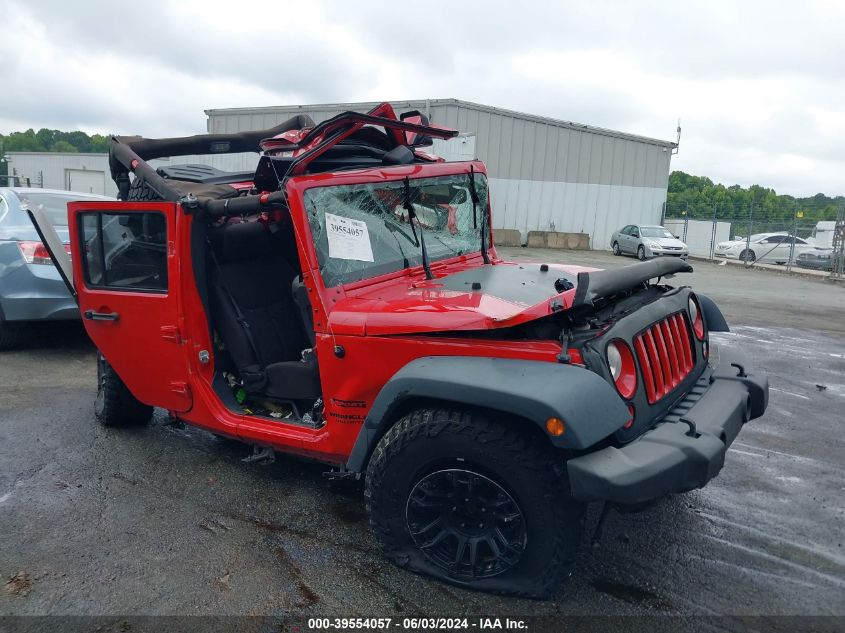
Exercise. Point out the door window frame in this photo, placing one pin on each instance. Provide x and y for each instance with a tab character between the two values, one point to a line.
99	213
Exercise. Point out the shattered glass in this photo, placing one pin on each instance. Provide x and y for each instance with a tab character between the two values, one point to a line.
444	211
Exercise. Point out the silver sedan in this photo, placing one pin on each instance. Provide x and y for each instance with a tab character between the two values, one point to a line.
646	241
30	286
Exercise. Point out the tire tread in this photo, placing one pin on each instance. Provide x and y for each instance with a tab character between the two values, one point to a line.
120	407
524	450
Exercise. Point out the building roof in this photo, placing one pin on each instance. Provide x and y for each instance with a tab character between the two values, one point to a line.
423	103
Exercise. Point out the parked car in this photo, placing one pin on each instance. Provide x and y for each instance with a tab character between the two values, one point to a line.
818	259
357	313
764	247
647	241
823	234
31	288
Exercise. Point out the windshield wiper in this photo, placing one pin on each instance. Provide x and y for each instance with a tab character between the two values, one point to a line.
412	215
473	193
393	229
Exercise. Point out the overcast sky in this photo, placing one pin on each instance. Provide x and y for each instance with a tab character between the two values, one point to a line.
758	86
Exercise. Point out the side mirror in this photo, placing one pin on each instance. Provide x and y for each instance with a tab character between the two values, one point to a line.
677	237
412	138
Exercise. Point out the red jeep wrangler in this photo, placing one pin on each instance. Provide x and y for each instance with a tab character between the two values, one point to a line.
345	303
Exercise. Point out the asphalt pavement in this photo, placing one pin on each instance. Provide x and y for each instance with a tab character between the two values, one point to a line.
167	520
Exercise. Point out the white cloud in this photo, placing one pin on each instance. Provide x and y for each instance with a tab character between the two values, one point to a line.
756	84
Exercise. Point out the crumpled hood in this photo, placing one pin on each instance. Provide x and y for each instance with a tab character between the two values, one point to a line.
484	297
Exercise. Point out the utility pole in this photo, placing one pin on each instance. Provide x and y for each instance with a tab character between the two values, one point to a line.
713	232
792	241
750	224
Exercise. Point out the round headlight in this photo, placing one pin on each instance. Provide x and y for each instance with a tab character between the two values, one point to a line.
696	318
614	360
620	360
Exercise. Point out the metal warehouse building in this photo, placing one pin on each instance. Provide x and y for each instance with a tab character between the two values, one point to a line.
545	174
87	173
90	173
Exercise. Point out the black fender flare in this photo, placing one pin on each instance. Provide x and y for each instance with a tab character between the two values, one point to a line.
713	317
532	390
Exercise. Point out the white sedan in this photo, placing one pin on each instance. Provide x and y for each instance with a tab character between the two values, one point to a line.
764	247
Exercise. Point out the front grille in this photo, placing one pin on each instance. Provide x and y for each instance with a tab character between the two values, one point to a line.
665	355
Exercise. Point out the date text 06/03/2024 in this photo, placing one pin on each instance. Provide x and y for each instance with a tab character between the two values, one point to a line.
416	624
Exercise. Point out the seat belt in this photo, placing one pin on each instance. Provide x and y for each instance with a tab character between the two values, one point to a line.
253	380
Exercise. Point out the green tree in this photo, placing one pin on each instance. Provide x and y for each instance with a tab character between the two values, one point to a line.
756	208
23	142
63	146
46	140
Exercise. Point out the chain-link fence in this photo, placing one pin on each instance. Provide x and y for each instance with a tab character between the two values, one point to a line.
803	239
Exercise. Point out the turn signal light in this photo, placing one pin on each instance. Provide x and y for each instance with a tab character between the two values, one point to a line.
631	415
555	427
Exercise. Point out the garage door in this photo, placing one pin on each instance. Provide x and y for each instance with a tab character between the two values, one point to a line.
85	181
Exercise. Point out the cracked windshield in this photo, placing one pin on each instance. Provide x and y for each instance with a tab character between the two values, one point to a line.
361	231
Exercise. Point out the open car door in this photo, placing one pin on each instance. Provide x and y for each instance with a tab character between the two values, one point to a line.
125	271
53	243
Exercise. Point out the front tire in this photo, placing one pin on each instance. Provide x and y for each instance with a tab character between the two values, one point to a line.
747	256
115	405
474	502
641	253
616	250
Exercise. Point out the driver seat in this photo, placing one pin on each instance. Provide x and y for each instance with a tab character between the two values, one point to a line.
256	317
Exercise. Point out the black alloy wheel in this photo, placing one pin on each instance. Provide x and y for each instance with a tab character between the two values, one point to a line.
466	523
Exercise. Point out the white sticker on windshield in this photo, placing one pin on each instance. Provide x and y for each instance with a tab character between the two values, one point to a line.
348	239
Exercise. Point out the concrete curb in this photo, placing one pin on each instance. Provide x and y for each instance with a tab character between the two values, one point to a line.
818	275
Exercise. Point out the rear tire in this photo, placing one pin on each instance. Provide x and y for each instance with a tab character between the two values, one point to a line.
641	253
616	250
10	334
474	502
115	405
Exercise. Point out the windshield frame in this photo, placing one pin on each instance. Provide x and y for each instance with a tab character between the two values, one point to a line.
297	186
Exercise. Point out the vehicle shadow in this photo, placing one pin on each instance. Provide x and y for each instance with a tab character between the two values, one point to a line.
57	335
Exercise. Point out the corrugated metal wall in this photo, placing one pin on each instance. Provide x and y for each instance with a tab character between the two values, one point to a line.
51	170
544	174
59	170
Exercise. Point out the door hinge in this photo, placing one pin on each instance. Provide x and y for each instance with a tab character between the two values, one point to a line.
171	333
